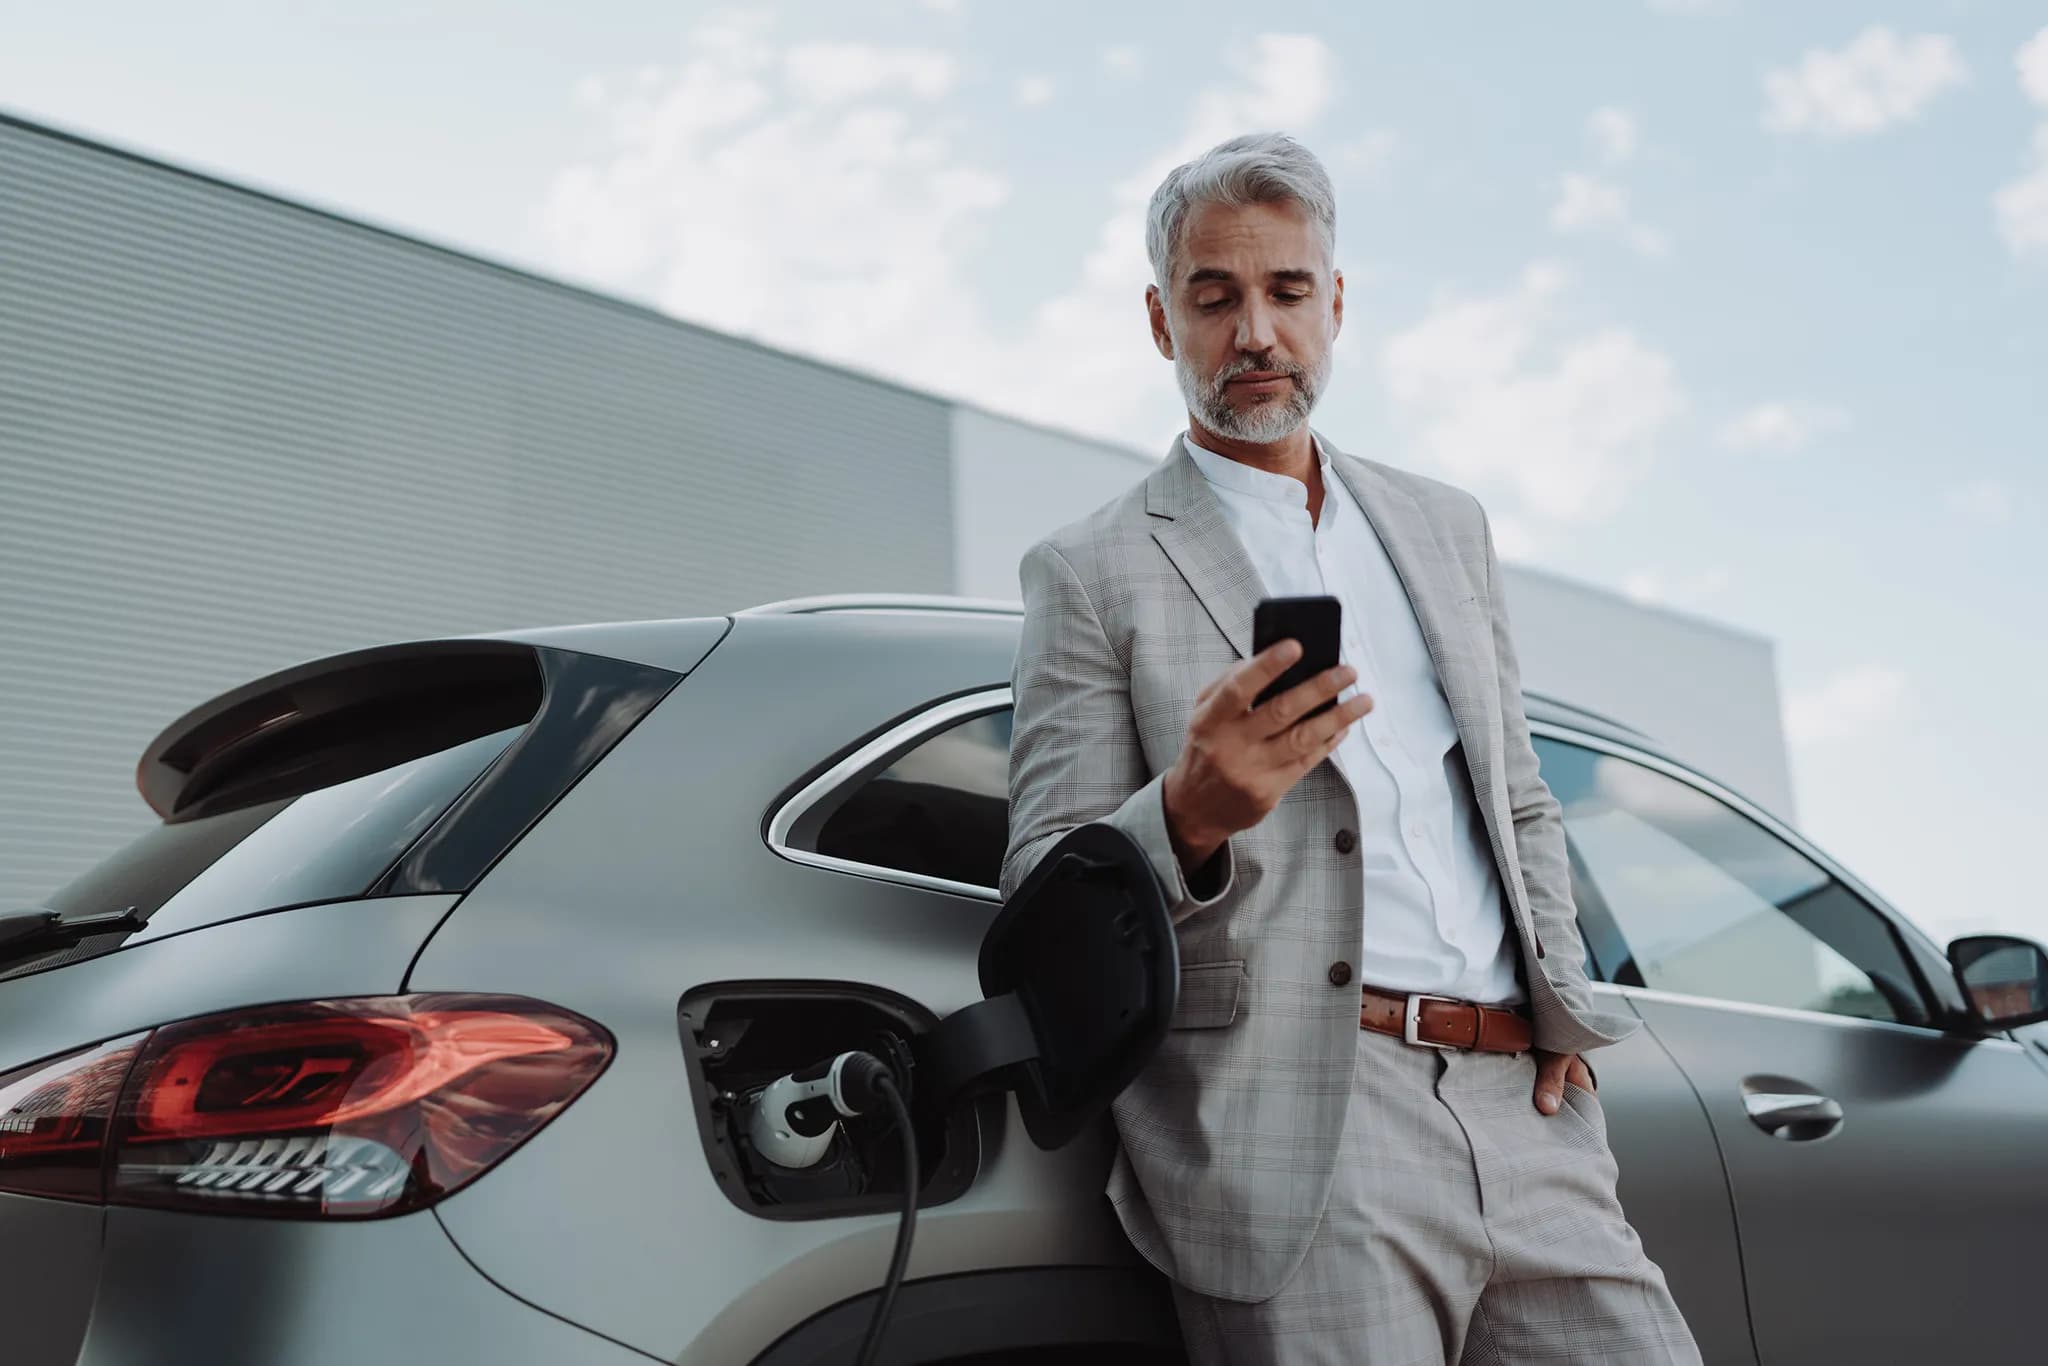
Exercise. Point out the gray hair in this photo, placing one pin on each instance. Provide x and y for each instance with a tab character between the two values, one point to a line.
1258	168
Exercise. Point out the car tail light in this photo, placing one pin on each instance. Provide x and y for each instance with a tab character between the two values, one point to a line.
337	1109
54	1118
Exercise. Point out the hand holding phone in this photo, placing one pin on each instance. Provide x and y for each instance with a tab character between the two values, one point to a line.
1234	768
1317	622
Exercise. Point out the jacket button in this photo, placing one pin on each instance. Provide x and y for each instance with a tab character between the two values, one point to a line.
1340	974
1346	841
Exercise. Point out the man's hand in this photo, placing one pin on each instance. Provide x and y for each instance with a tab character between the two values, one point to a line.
1553	1070
1238	762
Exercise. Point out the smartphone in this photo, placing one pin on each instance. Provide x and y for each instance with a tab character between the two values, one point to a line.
1314	621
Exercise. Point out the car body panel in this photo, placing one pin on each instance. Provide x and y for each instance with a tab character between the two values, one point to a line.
678	645
1932	1196
1671	1184
49	1275
262	1292
654	875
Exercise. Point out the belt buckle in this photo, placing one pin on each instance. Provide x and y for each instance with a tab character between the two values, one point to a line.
1411	1019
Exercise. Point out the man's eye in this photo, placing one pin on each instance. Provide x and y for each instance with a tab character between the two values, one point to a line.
1212	305
1290	298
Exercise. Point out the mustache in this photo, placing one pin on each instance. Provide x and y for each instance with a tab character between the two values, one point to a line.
1267	363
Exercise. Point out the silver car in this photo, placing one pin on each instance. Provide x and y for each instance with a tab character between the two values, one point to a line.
435	1022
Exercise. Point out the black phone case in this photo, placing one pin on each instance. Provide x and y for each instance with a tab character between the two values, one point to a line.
1317	622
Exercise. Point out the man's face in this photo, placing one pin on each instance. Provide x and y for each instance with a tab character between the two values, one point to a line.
1249	318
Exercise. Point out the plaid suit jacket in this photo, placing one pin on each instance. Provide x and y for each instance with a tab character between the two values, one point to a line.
1230	1135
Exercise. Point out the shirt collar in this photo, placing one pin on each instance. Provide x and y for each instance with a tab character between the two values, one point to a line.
1223	472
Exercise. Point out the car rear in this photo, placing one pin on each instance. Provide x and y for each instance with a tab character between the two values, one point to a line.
224	1126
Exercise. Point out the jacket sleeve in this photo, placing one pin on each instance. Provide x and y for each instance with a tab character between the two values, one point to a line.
1075	755
1538	819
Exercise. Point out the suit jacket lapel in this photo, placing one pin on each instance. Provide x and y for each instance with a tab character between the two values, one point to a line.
1430	580
1202	546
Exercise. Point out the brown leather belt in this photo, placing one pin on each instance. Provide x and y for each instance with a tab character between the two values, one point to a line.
1440	1022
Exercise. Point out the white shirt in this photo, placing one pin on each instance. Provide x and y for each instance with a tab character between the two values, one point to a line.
1433	906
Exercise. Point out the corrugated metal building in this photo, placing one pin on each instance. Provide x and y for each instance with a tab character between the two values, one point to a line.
236	433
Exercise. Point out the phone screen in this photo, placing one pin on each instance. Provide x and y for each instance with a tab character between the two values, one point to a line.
1316	622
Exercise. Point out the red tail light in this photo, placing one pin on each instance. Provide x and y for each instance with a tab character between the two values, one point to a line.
54	1118
338	1109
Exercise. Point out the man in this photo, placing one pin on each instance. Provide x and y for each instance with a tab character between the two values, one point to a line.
1330	1162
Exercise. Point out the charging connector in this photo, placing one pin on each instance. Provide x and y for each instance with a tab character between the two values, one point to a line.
792	1121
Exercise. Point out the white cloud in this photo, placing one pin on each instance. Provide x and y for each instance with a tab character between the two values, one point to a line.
1878	80
1982	500
2021	206
942	6
1034	90
831	72
1125	60
1689	590
1492	396
717	176
1783	426
1852	705
836	215
1614	134
1514	538
2032	61
1585	204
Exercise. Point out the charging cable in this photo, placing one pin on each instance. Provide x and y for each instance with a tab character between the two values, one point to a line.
793	1120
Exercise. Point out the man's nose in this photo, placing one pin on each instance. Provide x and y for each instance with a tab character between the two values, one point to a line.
1255	327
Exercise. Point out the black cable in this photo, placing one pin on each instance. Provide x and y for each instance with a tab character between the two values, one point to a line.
872	1344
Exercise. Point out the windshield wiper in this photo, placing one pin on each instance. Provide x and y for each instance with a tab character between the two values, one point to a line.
32	927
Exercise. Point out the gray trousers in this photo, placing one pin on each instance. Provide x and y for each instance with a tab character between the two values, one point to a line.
1464	1226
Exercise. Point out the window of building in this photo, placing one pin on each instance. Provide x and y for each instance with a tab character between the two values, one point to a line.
1709	903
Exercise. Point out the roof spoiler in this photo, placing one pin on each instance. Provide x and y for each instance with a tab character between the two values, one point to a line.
303	727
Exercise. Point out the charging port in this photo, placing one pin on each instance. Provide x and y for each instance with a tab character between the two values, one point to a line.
740	1037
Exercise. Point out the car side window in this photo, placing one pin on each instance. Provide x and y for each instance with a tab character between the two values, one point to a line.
940	808
1712	904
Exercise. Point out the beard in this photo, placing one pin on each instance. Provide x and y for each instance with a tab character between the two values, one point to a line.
1263	422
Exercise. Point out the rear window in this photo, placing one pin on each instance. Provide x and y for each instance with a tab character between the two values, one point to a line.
325	845
397	771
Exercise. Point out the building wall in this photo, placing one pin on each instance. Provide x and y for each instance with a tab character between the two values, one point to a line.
1013	483
236	434
1707	692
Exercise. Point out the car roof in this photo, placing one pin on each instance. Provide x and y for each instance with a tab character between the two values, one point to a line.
880	615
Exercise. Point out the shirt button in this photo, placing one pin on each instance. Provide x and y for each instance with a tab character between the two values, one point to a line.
1346	842
1340	974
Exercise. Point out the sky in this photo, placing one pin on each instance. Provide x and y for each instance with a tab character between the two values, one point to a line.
1735	307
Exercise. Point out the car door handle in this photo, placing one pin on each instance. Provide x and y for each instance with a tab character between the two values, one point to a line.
1795	1116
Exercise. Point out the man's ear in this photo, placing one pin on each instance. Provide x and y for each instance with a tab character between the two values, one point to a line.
1337	302
1155	309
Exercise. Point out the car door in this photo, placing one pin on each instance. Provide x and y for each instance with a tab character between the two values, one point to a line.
1889	1174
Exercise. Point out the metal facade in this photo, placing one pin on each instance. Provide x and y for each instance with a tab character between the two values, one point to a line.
236	433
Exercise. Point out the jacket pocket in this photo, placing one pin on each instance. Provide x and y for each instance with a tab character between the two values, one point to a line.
1208	994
